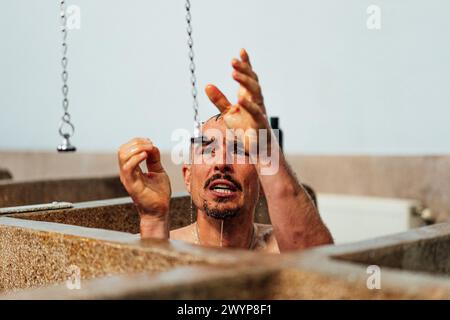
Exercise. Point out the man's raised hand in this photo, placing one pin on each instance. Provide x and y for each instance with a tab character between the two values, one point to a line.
249	112
150	191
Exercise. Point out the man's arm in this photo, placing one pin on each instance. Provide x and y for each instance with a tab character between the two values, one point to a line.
295	219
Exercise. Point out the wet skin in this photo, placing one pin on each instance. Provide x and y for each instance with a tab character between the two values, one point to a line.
223	191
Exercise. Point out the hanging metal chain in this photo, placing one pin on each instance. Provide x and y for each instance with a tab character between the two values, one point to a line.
194	91
66	128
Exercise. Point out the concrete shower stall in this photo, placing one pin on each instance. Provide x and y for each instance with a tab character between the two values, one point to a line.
97	240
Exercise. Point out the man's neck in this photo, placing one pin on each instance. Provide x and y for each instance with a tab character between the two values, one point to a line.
236	232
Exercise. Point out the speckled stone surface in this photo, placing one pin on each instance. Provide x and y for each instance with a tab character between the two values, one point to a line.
115	214
428	251
38	253
304	277
38	248
41	251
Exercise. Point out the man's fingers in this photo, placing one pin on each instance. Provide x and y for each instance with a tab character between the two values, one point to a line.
126	154
248	83
154	161
244	56
251	107
133	162
244	67
134	141
217	97
129	150
131	170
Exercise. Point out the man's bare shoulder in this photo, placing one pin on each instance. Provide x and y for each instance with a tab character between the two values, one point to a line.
186	233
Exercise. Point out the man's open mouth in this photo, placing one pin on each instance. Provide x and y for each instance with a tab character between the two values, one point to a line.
223	188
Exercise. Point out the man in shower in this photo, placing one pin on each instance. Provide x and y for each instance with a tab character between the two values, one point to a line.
225	192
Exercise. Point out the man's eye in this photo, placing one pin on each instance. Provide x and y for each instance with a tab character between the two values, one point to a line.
208	150
240	150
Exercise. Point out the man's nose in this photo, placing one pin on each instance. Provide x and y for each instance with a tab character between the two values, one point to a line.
222	164
223	168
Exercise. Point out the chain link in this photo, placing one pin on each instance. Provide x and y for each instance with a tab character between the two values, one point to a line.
65	119
190	43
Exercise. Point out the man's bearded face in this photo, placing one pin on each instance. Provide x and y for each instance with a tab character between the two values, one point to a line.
219	185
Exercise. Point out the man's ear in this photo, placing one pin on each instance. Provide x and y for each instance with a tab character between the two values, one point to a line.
186	169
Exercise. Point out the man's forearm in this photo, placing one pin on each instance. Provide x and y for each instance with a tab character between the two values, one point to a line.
295	219
154	227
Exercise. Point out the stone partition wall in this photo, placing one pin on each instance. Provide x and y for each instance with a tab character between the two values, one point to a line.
424	178
34	254
116	265
120	214
63	190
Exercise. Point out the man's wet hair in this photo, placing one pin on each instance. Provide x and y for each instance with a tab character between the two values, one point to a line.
215	117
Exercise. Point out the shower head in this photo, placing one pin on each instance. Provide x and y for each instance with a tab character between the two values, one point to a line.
66	146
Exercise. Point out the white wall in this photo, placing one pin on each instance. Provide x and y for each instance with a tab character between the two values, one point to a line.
337	86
